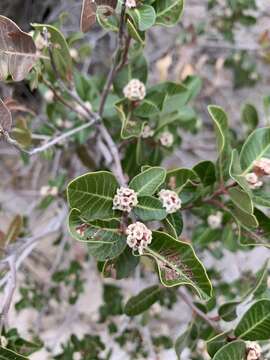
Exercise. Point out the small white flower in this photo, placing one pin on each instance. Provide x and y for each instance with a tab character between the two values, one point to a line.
138	236
3	341
77	356
131	4
135	90
253	181
48	96
170	200
253	350
262	166
40	42
49	190
215	220
202	349
74	53
253	76
81	110
125	199
166	139
147	132
237	57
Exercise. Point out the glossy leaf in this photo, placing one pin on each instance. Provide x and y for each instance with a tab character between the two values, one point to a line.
17	51
250	117
241	199
206	172
93	195
148	181
143	301
215	343
122	266
174	224
255	323
177	179
178	264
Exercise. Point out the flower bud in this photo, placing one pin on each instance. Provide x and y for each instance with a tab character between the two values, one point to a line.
253	181
131	4
48	96
166	139
147	132
215	220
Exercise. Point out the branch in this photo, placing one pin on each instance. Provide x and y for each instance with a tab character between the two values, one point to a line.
189	301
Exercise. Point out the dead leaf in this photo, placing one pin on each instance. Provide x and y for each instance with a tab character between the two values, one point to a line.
17	51
88	13
5	117
163	66
14	105
14	229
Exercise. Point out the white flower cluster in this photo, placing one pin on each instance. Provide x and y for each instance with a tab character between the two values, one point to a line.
253	350
125	199
49	190
170	200
147	132
166	139
215	220
135	90
131	4
261	168
138	236
253	181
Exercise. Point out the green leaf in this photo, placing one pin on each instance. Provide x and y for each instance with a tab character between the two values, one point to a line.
236	172
206	172
142	302
61	55
256	146
178	264
134	33
148	181
168	11
131	126
105	21
220	119
174	224
227	311
122	266
150	208
260	236
7	354
93	195
235	350
177	179
182	342
241	199
104	238
250	117
144	16
216	343
244	218
255	323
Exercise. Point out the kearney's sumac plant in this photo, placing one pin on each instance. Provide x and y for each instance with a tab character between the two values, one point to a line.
129	209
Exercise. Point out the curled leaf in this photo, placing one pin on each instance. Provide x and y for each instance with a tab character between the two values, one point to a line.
17	51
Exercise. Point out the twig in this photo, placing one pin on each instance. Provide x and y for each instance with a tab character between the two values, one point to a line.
189	301
9	291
